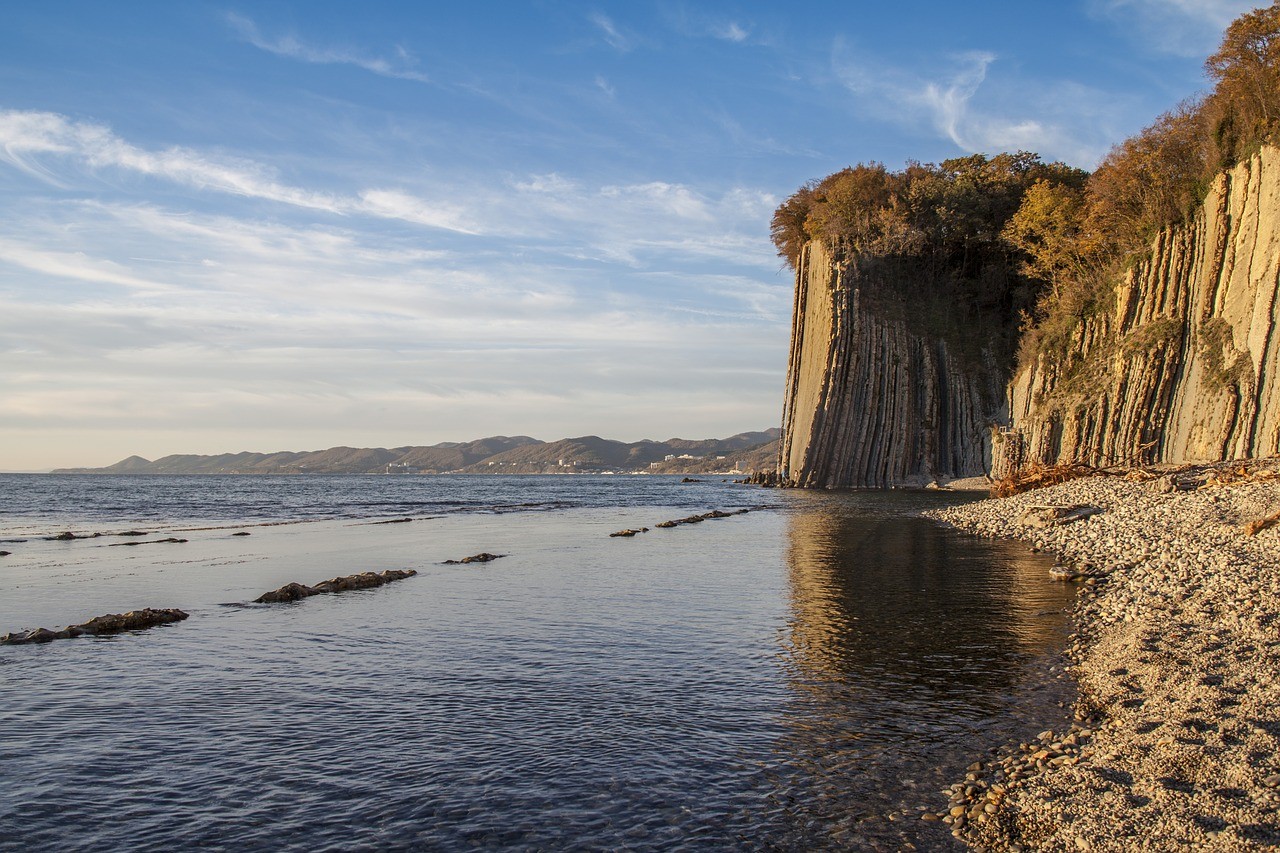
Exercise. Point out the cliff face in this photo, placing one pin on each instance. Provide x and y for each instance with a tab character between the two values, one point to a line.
1185	367
870	402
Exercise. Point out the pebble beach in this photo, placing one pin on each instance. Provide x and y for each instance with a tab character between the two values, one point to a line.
1175	743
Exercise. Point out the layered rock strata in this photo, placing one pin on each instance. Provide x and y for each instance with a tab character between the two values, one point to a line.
870	402
1184	367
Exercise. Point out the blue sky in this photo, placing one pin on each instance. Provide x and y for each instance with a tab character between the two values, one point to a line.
291	226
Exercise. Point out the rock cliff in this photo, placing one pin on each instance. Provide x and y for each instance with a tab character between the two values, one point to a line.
872	400
1184	366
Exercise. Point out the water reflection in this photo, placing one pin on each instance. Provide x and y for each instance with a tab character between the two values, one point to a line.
910	650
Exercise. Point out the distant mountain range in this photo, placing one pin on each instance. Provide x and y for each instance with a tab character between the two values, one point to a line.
744	452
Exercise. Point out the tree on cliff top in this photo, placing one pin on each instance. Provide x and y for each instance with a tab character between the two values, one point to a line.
1244	108
956	209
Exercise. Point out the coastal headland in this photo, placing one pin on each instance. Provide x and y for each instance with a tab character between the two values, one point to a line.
1176	743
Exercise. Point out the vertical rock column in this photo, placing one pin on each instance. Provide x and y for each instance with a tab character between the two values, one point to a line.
869	403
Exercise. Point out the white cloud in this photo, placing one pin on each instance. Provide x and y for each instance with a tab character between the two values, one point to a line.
661	198
692	22
292	47
612	35
72	265
731	31
1190	28
604	86
1061	120
25	136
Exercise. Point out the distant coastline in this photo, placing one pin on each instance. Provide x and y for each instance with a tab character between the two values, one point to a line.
741	453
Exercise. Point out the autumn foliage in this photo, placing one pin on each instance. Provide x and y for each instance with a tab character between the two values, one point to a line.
1019	226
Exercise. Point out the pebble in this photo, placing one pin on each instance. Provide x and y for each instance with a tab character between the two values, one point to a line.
1177	658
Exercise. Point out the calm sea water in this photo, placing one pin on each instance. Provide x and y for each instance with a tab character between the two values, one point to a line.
804	676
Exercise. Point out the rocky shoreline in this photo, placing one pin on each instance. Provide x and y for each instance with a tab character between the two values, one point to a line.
1176	655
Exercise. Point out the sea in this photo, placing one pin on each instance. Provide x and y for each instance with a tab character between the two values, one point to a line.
807	675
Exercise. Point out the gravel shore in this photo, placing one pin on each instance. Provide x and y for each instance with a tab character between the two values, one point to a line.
1176	655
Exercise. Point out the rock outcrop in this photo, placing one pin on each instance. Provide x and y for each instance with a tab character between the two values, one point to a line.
872	402
483	557
1185	367
363	580
113	623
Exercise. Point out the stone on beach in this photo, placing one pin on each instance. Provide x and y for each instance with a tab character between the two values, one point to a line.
114	623
1050	516
1177	663
363	580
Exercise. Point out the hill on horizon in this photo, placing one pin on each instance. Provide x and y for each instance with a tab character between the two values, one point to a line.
500	454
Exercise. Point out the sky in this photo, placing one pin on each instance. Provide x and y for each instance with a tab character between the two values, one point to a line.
290	226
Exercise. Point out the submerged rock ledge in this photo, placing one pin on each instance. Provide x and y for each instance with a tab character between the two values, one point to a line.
113	623
1177	659
363	580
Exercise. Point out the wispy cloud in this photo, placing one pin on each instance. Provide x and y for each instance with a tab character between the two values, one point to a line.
358	337
401	66
26	138
731	31
605	86
1063	120
695	23
611	33
1190	28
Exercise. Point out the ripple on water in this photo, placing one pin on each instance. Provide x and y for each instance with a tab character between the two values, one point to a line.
785	679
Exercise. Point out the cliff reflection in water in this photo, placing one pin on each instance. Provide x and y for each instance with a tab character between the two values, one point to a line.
911	650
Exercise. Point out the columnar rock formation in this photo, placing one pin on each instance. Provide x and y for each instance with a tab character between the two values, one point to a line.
1185	367
870	401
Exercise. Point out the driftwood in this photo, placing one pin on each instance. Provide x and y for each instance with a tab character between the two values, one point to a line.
1055	516
1255	527
115	623
1037	476
364	580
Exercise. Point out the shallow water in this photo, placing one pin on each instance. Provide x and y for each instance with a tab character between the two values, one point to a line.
791	678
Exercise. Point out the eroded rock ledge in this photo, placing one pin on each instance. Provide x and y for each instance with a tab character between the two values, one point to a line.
363	580
113	623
